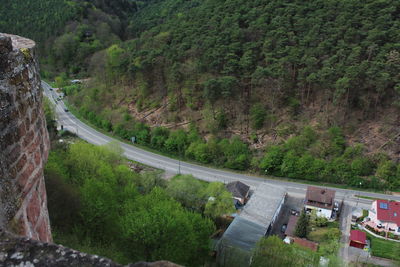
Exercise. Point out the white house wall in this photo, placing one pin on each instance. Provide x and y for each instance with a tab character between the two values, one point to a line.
321	212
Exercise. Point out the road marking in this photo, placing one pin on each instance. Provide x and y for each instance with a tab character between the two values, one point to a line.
205	173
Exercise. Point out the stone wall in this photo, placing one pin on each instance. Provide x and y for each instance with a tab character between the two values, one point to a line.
24	141
21	251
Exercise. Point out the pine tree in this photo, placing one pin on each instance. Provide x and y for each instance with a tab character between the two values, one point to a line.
302	225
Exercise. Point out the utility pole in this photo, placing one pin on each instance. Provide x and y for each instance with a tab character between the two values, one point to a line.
358	195
179	160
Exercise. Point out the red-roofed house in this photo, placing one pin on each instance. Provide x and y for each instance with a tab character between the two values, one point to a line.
358	239
291	226
386	215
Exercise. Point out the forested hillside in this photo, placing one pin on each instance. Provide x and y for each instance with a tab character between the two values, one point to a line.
301	89
241	66
68	33
37	20
347	48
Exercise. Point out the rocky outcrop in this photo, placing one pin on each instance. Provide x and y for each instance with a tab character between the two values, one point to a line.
24	141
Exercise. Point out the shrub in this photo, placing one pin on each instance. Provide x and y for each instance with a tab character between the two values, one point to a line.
289	166
321	221
236	152
272	160
257	116
361	166
337	141
158	137
176	141
198	151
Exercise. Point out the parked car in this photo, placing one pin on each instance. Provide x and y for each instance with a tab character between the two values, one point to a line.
294	212
66	109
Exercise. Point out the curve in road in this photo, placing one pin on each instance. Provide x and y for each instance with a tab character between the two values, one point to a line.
72	124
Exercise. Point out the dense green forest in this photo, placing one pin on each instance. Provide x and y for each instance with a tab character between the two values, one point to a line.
38	20
306	90
68	33
98	205
276	53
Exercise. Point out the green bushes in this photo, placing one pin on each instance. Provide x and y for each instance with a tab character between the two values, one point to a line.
97	204
272	160
271	251
233	154
199	151
325	158
321	157
210	198
302	228
156	226
258	115
236	153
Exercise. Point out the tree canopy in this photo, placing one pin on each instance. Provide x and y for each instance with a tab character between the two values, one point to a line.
97	204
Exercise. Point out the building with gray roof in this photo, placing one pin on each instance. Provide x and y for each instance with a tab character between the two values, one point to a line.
253	223
239	190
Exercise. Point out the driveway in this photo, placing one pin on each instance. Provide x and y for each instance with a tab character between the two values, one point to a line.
352	254
345	224
292	202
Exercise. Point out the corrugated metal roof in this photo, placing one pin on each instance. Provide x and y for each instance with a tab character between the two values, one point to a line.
253	222
262	205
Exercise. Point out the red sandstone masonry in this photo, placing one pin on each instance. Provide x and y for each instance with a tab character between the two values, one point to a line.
24	141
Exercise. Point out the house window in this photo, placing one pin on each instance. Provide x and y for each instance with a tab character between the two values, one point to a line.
383	205
398	230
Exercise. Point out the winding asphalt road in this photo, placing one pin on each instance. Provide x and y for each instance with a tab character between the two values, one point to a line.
172	166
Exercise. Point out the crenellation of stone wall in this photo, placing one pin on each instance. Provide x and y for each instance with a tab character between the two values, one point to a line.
24	141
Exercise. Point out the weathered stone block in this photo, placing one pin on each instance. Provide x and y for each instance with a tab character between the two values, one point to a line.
43	231
28	138
33	208
24	175
21	163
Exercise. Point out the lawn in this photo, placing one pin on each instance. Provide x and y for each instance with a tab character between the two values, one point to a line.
319	235
327	237
384	248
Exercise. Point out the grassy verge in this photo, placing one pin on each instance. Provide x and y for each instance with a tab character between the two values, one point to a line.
74	111
320	233
366	197
384	248
327	238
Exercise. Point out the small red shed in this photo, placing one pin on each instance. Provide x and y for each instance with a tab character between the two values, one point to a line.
358	239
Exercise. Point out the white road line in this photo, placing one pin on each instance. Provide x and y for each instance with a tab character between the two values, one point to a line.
171	165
